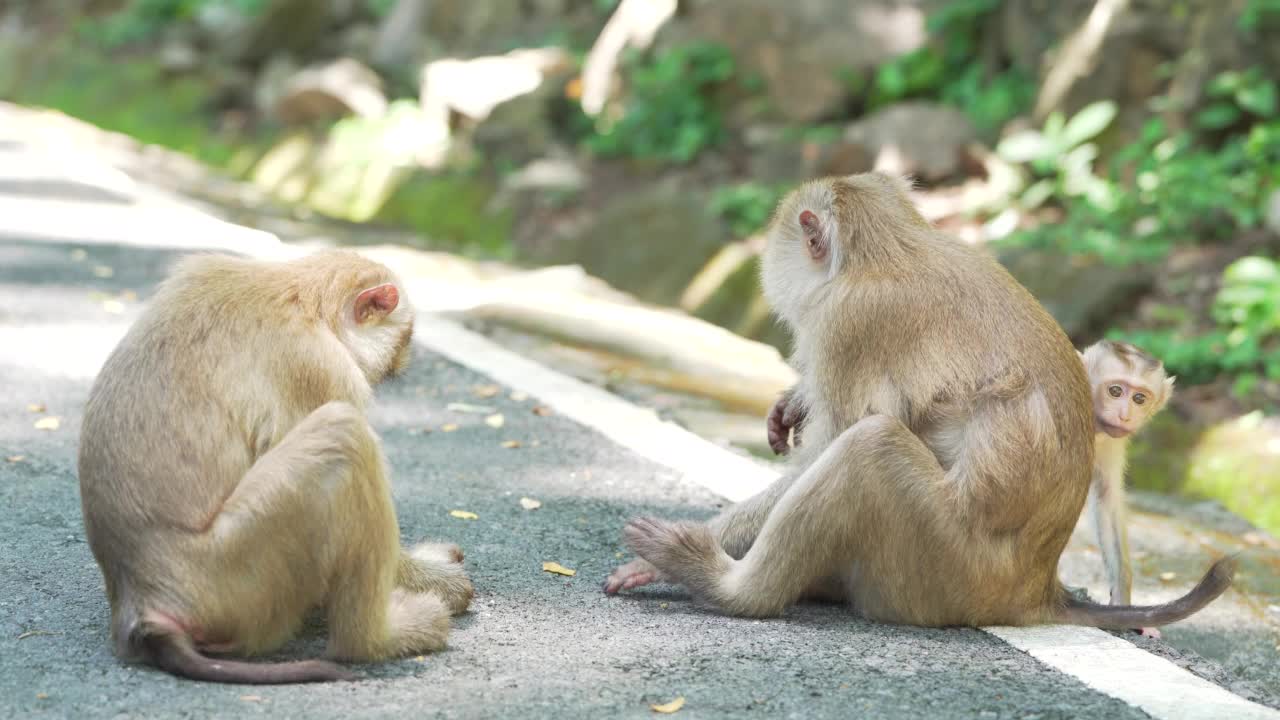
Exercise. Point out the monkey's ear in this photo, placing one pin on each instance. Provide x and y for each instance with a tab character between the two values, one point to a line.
1168	384
811	226
376	302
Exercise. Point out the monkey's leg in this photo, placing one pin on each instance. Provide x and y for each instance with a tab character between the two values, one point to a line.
436	568
1106	505
316	511
838	513
735	529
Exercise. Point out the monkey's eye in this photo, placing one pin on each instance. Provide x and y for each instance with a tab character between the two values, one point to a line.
1139	398
1115	391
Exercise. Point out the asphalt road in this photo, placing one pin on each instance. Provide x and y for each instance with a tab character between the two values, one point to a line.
534	644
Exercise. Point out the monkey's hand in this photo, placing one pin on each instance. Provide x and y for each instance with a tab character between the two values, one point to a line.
634	574
1153	633
437	568
787	414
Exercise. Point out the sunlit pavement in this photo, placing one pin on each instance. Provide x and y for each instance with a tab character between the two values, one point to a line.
75	268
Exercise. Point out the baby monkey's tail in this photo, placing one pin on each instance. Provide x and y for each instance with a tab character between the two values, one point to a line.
1075	611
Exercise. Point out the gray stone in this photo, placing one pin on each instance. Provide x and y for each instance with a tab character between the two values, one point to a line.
328	91
1082	296
923	139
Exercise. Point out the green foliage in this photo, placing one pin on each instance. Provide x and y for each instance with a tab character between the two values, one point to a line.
1258	13
1062	156
746	207
670	113
948	69
142	19
1238	96
453	211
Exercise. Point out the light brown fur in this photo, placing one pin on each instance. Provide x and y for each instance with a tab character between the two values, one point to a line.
230	482
948	436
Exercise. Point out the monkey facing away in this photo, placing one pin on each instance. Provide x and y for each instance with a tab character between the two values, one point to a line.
1129	387
230	482
948	437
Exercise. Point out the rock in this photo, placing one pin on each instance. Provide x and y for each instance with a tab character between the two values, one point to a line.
475	87
400	33
178	56
328	91
923	139
550	174
801	48
284	26
1081	295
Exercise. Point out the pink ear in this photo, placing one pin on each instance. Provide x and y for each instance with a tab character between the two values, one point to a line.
809	223
376	302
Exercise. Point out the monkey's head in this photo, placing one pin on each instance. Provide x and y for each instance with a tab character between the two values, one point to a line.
373	316
1129	386
827	228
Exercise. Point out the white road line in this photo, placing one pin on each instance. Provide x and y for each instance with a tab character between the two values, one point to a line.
1101	661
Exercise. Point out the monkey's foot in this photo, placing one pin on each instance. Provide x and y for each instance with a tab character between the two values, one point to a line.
684	552
637	573
437	568
1151	632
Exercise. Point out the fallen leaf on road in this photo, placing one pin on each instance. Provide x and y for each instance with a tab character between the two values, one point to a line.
36	407
558	569
530	503
670	707
1260	539
78	255
42	696
36	633
495	421
129	296
541	411
48	423
251	698
103	271
486	391
1167	576
464	515
510	444
448	427
519	396
115	307
15	458
422	659
465	408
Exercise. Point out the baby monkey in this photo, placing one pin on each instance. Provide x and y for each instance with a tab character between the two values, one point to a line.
230	482
1129	387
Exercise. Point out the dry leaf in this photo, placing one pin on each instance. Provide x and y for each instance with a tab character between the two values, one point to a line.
36	633
465	408
664	606
464	515
1167	576
558	569
486	391
49	423
115	307
42	696
129	296
15	458
670	707
78	255
510	444
36	407
495	421
422	659
251	698
530	503
518	396
103	271
448	427
541	410
1257	538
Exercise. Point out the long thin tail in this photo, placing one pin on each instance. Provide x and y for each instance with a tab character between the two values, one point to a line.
175	653
1123	617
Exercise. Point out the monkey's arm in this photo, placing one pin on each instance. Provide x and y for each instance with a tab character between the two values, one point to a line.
1106	505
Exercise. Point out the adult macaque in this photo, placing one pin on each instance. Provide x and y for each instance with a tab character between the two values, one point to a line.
230	482
1129	387
948	437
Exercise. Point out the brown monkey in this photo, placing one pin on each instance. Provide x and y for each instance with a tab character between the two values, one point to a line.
948	437
1129	387
230	482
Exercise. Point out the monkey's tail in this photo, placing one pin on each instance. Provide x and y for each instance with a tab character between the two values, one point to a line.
174	652
1123	617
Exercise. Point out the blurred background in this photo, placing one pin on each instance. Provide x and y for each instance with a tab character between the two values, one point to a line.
1121	157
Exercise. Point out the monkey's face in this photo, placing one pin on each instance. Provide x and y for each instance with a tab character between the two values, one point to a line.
1125	399
379	328
802	253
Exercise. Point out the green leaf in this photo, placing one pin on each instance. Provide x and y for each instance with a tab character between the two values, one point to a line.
1258	98
1218	116
1036	195
1088	123
1024	146
1251	270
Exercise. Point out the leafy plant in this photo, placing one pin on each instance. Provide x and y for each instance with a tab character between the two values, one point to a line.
746	207
670	113
141	19
1062	156
1237	96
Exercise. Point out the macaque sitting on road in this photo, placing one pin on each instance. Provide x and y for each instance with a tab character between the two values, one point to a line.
948	437
1129	387
230	482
